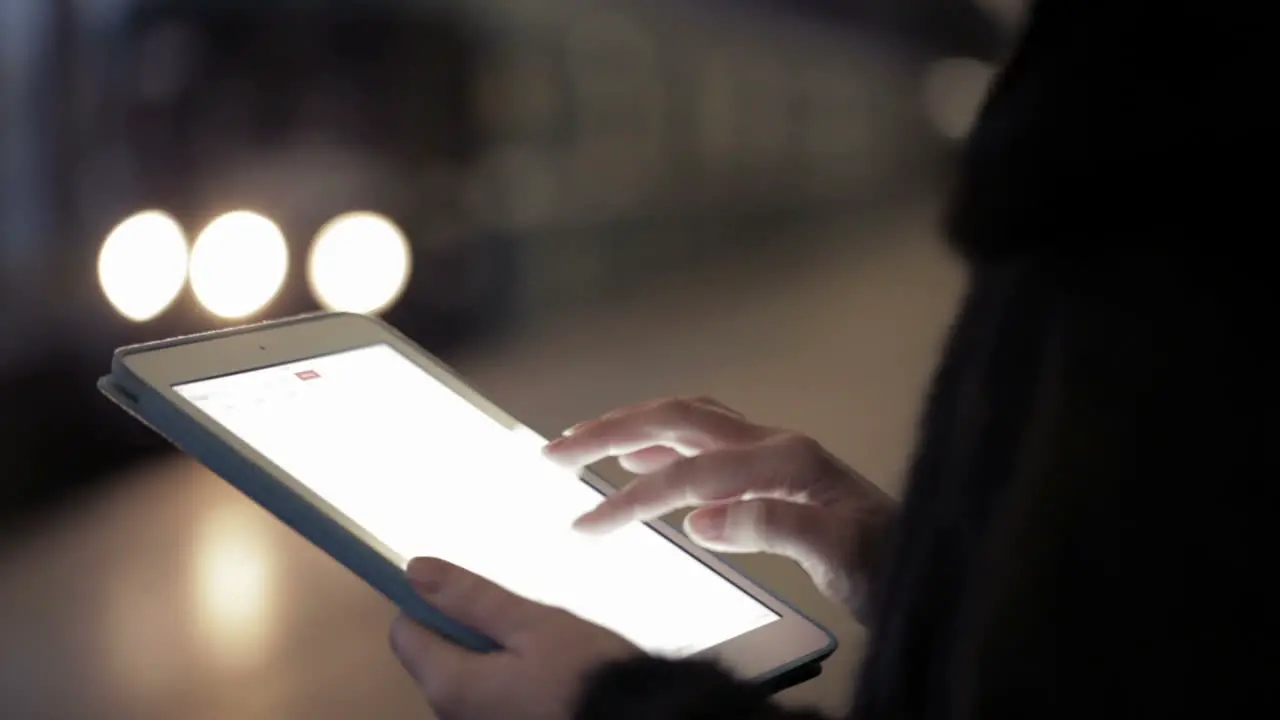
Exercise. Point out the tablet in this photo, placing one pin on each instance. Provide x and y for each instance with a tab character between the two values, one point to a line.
376	452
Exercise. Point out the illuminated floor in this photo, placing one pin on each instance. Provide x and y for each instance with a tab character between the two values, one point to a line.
173	597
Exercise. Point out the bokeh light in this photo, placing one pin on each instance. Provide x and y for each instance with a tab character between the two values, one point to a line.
238	264
360	263
142	266
236	588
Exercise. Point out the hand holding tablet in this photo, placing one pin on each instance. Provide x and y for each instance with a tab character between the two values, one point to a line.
377	453
547	652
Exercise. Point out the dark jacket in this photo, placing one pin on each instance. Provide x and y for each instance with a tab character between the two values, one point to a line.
1082	530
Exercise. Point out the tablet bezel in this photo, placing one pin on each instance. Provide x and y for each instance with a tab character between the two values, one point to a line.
791	640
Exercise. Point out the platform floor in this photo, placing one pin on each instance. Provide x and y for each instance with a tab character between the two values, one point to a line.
167	595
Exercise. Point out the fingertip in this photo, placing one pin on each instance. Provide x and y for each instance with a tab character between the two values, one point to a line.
574	429
649	460
583	524
592	524
708	533
554	456
555	451
562	462
422	564
707	524
427	573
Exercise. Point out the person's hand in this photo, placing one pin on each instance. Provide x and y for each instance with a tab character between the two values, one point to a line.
547	654
756	489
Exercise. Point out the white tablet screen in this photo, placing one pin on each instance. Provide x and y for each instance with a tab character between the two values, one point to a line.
427	473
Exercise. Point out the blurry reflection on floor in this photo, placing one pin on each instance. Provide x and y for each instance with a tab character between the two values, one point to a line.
170	596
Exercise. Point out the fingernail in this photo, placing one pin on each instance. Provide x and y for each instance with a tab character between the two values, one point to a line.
709	523
591	524
555	444
554	454
554	457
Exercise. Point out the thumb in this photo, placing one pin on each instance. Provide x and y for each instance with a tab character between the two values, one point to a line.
447	673
472	600
804	533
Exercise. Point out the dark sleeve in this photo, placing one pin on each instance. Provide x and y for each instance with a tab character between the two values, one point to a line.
1126	576
656	689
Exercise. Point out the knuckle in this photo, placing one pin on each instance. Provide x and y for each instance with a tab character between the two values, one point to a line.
799	447
396	639
442	688
678	407
673	418
629	493
706	418
694	476
558	617
802	459
760	516
434	679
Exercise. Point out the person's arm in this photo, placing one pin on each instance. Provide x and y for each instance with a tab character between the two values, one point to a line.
1124	574
649	688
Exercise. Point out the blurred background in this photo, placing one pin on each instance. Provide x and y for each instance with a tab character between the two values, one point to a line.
578	203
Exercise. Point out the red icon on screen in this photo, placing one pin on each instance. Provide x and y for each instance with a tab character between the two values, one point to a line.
308	375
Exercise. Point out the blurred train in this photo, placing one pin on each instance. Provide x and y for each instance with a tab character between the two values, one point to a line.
177	165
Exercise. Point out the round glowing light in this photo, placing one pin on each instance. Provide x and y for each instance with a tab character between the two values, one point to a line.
359	263
236	590
238	264
143	265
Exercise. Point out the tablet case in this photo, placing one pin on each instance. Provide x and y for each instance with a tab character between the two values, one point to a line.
262	487
306	519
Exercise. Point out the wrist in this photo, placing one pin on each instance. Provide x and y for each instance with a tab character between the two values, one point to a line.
875	532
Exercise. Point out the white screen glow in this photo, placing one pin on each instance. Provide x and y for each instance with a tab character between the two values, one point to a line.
428	473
